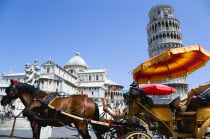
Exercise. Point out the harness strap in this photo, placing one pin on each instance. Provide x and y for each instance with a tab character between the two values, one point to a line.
52	96
84	103
49	98
44	103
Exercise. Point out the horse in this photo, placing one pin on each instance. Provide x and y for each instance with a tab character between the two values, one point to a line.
36	111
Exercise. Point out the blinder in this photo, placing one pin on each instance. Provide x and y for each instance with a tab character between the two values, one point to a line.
4	101
11	94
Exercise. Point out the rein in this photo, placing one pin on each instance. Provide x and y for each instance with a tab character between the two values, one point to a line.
12	102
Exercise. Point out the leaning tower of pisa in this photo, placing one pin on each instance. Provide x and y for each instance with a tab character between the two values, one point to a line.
164	33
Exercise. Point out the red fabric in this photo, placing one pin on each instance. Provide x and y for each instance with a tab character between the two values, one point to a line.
158	89
15	81
86	95
108	121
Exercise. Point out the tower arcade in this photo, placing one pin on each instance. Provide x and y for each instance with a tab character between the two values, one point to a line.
163	33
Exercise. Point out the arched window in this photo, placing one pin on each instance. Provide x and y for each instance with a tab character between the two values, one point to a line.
48	70
112	96
89	78
166	24
164	35
155	26
97	77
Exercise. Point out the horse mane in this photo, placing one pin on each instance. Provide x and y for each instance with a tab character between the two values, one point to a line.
27	88
33	90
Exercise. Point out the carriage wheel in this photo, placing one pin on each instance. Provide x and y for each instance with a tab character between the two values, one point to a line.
203	128
137	135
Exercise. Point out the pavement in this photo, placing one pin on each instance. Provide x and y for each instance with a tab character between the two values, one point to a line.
57	133
23	130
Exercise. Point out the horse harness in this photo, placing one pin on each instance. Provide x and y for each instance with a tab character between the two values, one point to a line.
49	98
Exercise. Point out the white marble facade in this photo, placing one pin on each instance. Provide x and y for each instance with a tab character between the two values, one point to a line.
74	78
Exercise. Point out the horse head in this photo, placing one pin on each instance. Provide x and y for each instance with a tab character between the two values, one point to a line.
11	93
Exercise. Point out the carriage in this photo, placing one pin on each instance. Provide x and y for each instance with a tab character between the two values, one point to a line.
159	121
141	118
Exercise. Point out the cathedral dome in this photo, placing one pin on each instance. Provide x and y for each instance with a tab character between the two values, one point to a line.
76	63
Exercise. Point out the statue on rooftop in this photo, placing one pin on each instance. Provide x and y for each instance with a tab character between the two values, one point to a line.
31	73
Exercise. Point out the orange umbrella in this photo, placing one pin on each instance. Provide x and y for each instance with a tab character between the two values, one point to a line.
171	64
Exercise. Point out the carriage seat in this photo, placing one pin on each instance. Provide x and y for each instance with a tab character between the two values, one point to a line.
185	116
204	98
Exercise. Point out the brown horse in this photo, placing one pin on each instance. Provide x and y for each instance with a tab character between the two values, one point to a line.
36	111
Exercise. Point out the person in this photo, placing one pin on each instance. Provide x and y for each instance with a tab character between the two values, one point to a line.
135	91
192	95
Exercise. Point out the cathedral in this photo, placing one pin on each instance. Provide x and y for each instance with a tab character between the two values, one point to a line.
74	78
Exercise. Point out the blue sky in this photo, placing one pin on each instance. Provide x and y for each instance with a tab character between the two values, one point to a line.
107	33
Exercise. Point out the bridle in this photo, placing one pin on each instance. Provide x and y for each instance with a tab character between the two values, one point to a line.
12	94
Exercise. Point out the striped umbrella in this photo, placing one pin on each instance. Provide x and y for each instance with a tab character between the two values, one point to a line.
171	64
